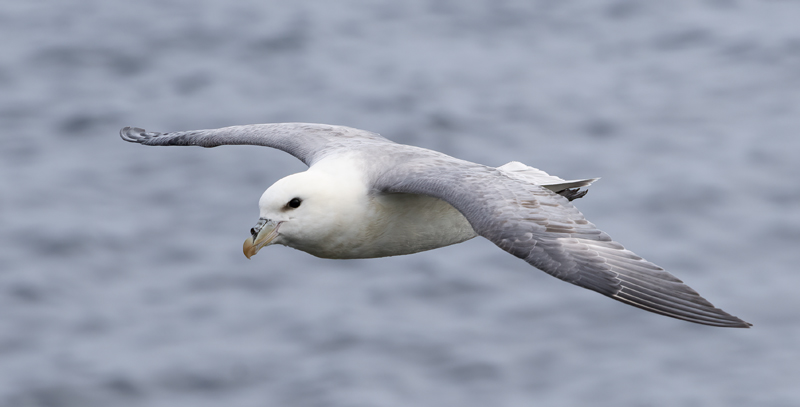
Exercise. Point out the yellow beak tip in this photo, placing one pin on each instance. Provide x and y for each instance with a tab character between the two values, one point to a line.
249	248
264	237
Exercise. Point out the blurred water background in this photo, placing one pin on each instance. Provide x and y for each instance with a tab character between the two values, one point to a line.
122	281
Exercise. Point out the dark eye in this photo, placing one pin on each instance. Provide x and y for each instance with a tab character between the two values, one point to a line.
294	203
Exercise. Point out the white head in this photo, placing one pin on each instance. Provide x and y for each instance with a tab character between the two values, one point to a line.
308	211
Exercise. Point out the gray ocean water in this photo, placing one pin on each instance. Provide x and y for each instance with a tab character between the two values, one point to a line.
122	281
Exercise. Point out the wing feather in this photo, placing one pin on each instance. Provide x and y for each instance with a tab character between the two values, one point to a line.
546	230
306	141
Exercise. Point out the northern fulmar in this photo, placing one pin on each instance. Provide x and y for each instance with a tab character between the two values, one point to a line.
364	196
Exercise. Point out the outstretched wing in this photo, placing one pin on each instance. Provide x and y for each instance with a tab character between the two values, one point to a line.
547	231
308	142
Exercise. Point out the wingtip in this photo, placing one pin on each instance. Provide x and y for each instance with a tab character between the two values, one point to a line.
732	322
705	314
743	324
133	134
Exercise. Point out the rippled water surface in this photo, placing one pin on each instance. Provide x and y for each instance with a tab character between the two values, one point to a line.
122	281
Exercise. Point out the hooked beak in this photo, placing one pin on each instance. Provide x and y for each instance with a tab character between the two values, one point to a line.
263	234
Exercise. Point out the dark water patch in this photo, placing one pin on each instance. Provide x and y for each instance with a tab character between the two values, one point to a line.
171	254
5	77
743	49
294	38
502	16
123	387
92	325
21	143
791	46
164	197
473	373
50	244
413	350
84	124
687	200
449	289
190	84
256	284
336	342
751	50
681	40
26	293
196	382
318	390
444	7
622	10
723	4
202	312
75	58
781	235
15	345
207	380
52	396
21	152
788	196
533	368
403	102
600	128
440	121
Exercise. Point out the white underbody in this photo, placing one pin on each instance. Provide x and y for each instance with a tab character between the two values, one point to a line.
406	223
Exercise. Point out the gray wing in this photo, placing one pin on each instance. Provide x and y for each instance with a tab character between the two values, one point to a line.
546	230
308	142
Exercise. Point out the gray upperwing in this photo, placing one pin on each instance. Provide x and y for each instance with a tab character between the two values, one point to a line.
307	142
547	231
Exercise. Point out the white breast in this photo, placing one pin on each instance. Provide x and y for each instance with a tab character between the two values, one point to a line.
406	223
